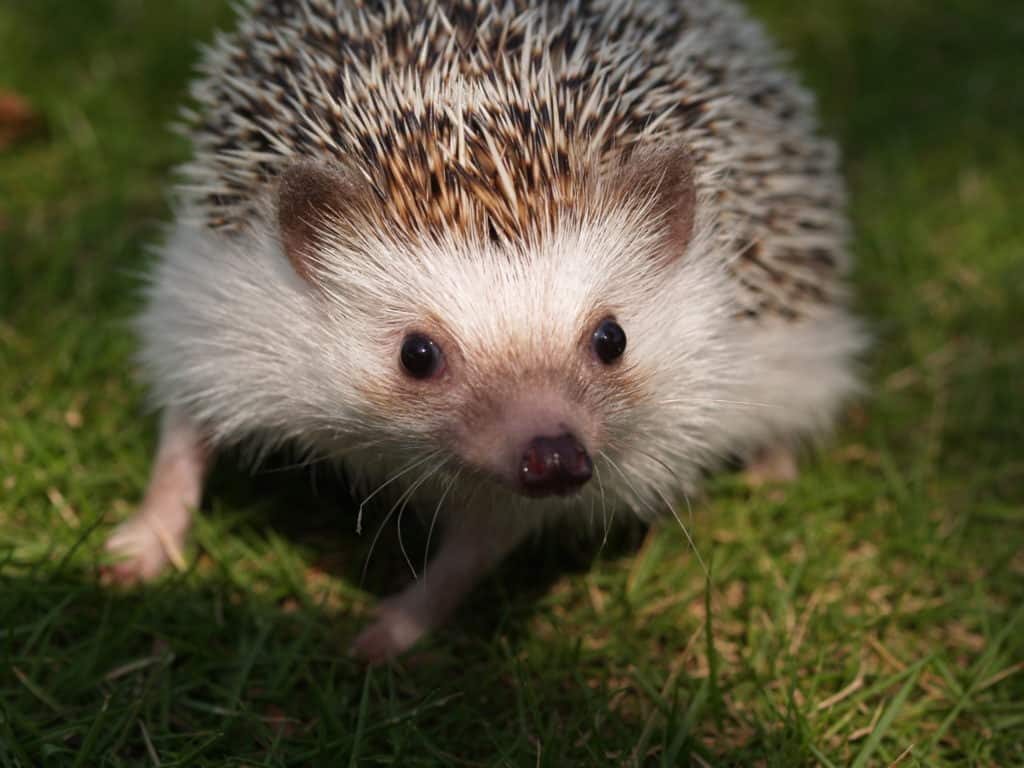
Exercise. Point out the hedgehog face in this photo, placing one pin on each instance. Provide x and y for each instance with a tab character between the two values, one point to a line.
527	361
532	367
508	366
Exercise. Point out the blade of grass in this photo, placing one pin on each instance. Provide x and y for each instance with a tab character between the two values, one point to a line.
357	737
979	670
889	715
85	755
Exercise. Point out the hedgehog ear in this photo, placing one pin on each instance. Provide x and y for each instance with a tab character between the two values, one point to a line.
309	197
665	176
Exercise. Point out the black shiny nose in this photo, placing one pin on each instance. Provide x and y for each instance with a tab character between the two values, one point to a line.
554	466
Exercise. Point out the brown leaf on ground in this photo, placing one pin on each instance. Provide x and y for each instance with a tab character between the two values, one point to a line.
18	121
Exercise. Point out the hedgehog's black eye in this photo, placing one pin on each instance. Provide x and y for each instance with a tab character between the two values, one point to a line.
609	341
421	357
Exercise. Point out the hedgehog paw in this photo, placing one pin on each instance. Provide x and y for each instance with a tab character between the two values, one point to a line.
143	550
394	631
771	466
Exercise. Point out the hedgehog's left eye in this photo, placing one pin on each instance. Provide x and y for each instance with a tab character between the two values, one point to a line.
421	357
609	341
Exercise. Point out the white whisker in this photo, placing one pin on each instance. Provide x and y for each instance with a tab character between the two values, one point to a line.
380	529
604	507
433	520
405	470
671	509
686	531
590	515
415	486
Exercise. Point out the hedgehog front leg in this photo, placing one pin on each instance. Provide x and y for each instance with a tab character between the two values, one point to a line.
155	535
471	547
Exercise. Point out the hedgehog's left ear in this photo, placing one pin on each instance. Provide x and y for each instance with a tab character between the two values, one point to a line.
664	177
310	197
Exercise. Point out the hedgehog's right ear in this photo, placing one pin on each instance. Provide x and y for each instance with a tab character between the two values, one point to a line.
310	198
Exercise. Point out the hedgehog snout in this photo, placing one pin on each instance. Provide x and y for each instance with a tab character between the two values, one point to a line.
537	442
554	466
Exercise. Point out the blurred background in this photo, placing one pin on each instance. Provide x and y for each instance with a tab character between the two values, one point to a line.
870	614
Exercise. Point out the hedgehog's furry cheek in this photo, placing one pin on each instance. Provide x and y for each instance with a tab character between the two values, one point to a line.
401	414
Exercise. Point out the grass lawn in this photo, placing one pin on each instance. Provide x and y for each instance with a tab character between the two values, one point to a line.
870	614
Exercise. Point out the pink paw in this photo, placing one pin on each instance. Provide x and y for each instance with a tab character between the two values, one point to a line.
392	633
143	551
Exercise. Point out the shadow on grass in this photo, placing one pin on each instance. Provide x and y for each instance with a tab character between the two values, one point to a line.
224	666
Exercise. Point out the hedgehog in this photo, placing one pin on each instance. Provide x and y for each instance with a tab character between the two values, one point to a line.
505	262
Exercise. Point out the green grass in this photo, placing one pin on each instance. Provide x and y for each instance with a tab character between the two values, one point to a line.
869	614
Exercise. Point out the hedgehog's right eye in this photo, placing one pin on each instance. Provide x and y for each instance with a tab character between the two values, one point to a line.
421	357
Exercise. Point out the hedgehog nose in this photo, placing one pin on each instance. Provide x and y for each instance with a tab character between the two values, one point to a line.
554	466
